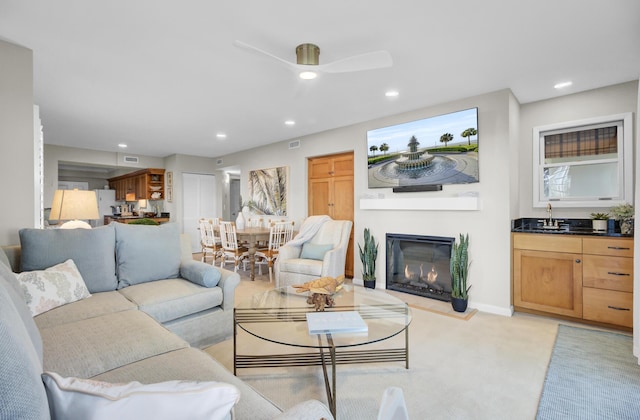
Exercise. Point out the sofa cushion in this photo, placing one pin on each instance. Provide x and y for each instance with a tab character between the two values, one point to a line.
86	398
92	346
22	394
315	251
92	250
302	266
147	253
170	299
9	283
200	273
194	365
56	286
96	305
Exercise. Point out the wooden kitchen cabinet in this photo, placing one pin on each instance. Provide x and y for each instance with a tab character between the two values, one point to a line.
587	278
608	280
548	277
331	193
147	184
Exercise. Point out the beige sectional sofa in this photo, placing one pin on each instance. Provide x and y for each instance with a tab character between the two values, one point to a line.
149	311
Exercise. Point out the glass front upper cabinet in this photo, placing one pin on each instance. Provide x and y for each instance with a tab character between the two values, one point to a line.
587	163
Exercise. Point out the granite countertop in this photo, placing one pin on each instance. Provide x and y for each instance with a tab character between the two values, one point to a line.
565	227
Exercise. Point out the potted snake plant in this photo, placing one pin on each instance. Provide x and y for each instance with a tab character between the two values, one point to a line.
459	266
368	255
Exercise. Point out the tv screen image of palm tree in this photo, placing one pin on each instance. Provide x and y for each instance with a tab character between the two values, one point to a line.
438	150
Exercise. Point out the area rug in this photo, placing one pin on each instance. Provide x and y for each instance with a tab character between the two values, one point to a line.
592	375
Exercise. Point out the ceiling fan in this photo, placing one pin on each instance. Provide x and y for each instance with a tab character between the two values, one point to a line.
307	60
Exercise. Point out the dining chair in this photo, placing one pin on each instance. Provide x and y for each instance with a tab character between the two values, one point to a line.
280	233
231	251
209	239
255	222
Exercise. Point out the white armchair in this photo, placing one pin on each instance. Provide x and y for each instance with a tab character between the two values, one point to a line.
321	255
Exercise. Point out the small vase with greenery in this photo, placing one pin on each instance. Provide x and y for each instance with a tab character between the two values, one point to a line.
459	266
368	255
599	221
624	214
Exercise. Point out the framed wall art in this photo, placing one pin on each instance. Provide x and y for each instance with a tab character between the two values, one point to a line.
268	191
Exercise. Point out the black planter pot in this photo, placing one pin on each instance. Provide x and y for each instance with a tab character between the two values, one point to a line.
371	284
458	304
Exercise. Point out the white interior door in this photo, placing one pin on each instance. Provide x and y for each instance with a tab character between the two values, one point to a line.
199	193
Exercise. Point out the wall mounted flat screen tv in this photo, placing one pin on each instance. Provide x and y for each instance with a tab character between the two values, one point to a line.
433	151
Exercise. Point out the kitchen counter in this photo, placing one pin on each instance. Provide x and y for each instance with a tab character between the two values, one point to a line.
565	227
129	219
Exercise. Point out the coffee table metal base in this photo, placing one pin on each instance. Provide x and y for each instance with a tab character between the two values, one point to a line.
326	355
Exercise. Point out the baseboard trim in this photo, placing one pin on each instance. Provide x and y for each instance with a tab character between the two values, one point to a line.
492	309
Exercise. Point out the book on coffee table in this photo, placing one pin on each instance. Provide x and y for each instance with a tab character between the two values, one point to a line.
335	322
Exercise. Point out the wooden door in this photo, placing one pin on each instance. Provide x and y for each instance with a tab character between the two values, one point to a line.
320	196
331	192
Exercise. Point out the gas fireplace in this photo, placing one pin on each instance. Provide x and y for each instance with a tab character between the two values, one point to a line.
419	265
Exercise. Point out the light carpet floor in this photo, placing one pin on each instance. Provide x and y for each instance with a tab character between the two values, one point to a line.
482	367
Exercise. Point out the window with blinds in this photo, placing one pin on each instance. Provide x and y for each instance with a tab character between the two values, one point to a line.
585	163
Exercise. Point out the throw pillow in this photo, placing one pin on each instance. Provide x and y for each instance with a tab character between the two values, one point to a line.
147	253
200	273
53	287
315	251
89	399
92	250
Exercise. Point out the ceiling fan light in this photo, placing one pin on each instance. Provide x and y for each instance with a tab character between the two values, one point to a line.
308	75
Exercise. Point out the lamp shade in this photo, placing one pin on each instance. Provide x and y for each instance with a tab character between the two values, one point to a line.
74	205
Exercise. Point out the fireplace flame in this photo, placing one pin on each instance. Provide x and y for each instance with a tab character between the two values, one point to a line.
408	273
432	275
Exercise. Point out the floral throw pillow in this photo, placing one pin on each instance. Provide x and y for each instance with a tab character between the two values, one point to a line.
53	287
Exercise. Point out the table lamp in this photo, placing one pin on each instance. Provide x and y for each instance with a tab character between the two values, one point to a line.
74	206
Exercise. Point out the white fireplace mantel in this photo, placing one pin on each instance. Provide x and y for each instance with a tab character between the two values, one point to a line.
460	203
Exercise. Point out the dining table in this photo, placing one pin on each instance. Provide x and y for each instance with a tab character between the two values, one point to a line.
251	236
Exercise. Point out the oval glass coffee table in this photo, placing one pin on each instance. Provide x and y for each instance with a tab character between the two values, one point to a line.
280	316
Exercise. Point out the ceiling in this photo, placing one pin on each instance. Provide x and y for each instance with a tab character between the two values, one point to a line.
164	77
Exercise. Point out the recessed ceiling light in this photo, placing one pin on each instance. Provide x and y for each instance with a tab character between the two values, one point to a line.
221	136
290	122
562	85
122	146
308	75
391	93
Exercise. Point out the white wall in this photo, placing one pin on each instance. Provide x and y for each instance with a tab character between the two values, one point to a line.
488	228
609	100
179	164
16	141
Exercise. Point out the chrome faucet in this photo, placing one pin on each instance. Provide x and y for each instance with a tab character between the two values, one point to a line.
550	213
550	223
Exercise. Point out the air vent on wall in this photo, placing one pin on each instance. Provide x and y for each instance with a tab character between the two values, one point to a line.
132	159
219	162
294	144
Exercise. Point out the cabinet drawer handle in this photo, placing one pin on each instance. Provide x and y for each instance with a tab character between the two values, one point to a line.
618	308
618	274
578	260
619	247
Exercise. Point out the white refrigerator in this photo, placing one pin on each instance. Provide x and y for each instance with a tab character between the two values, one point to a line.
106	199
